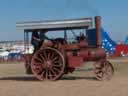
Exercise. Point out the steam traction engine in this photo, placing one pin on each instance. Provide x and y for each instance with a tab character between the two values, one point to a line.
60	56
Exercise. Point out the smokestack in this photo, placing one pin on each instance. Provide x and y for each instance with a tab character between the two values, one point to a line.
98	30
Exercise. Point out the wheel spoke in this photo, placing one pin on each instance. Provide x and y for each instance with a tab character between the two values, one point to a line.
100	74
46	74
49	56
52	56
45	55
43	74
52	71
38	59
97	71
56	69
50	74
42	57
54	59
57	65
57	61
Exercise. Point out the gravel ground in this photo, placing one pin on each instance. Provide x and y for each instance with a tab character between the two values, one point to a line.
14	82
79	87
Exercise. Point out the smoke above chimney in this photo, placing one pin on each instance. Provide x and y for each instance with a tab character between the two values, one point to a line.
86	5
68	5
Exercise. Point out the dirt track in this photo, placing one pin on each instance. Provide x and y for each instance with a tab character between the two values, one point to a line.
79	87
14	82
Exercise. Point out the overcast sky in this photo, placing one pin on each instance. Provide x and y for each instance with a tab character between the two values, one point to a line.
114	14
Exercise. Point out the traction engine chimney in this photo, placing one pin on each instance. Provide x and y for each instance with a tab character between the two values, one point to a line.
98	30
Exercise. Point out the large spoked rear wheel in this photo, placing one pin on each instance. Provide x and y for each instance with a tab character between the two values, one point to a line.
103	70
48	64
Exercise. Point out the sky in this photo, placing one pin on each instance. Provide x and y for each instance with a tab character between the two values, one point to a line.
114	14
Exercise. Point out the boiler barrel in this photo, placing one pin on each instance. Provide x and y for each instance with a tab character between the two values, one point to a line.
92	54
96	54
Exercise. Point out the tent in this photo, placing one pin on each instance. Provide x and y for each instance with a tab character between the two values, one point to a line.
126	40
107	42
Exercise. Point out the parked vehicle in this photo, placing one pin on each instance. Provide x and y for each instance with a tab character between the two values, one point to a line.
3	54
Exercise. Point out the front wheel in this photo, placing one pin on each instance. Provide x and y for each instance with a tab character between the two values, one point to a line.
103	70
48	64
